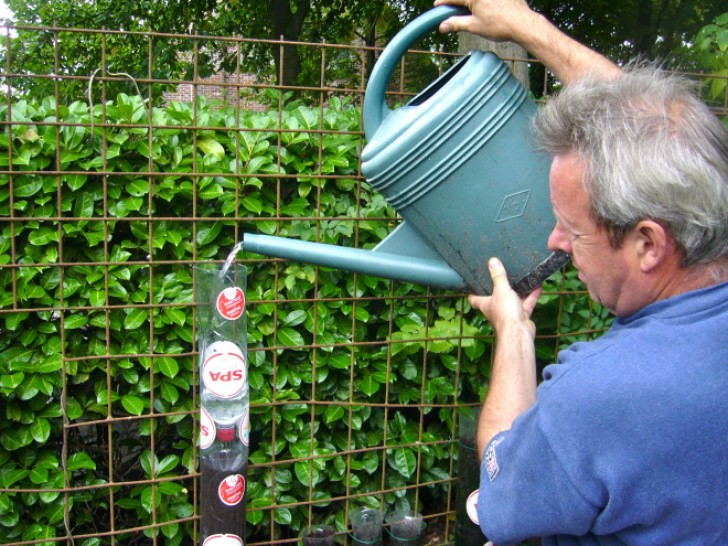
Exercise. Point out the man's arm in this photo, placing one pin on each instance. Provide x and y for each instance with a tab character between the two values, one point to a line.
513	20
512	387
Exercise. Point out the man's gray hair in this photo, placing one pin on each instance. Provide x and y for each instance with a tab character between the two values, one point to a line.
652	149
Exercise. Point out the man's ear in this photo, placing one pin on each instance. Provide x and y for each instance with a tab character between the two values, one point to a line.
653	244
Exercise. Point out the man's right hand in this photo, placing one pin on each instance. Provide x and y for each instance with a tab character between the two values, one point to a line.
512	388
513	20
504	307
497	20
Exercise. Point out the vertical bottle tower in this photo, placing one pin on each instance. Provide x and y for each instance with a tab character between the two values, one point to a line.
224	403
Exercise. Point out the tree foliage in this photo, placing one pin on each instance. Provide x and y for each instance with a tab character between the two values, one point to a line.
624	29
711	48
656	29
173	56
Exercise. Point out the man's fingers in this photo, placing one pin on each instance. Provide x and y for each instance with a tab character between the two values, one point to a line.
529	303
451	2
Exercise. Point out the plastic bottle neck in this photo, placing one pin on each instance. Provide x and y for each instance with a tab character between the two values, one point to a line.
225	434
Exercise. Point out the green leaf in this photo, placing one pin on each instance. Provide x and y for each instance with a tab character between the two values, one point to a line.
254	517
9	520
405	461
151	498
168	366
370	462
16	438
51	364
283	516
171	530
145	460
129	504
169	392
43	236
301	449
74	410
40	430
306	473
135	318
252	204
268	227
340	361
80	461
97	297
176	316
294	318
369	385
12	381
75	321
12	476
171	488
39	475
207	233
137	188
167	464
133	404
211	146
75	181
27	186
289	337
333	414
13	320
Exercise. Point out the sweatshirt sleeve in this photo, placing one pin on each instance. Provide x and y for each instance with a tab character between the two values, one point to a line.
525	491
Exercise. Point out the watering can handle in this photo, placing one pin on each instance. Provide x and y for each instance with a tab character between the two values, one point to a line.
375	106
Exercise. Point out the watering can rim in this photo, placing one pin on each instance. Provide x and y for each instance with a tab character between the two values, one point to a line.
375	108
463	96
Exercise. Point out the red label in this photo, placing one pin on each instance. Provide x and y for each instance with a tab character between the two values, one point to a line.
231	303
232	489
223	540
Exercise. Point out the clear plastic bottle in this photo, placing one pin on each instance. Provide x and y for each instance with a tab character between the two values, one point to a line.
224	491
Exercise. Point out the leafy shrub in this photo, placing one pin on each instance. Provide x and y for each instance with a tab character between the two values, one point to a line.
711	47
103	212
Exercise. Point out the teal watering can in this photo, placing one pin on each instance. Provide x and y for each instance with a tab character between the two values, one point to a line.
456	164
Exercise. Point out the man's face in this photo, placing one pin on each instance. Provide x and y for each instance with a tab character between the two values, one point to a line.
605	271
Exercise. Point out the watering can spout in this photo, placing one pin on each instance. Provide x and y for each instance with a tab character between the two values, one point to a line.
382	261
401	256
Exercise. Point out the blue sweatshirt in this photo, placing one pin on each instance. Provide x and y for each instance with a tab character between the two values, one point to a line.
627	442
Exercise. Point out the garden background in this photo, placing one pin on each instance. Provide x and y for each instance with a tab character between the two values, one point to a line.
112	189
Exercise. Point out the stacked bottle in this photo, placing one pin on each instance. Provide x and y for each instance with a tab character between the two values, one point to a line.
224	411
467	530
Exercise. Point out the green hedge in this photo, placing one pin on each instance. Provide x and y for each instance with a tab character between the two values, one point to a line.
101	223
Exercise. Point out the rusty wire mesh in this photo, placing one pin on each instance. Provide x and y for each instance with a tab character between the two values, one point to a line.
105	432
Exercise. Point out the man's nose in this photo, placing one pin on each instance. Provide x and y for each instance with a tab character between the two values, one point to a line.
559	240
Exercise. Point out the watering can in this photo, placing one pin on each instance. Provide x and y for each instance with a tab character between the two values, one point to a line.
456	164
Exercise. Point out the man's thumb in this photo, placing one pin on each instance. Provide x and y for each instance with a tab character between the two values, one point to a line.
453	24
497	272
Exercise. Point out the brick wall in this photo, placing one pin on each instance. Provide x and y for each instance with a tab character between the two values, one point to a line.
221	86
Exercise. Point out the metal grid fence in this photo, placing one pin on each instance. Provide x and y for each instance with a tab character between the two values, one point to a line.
108	201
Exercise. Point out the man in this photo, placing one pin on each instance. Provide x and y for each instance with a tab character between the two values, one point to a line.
626	439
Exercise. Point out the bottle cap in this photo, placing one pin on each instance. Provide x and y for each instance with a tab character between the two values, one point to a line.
225	434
